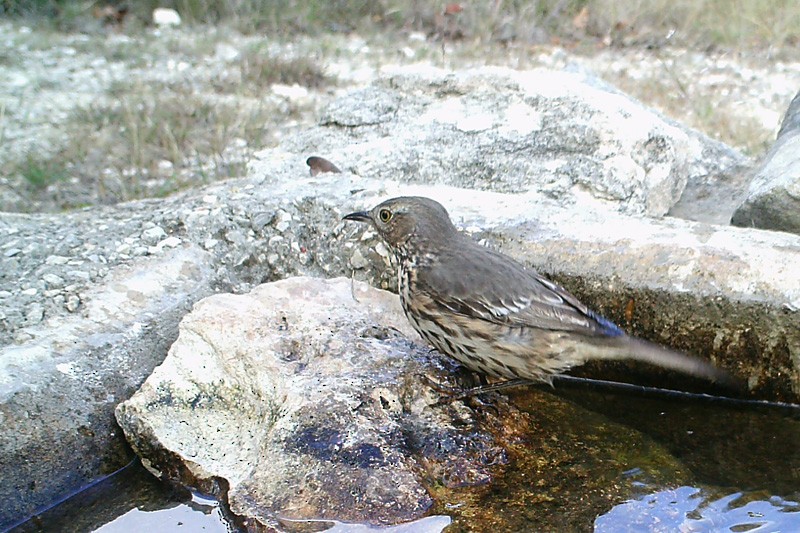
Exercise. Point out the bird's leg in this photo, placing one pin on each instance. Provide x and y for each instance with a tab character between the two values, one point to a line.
450	394
441	388
493	387
462	376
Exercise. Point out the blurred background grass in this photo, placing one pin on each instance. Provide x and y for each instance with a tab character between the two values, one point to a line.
696	23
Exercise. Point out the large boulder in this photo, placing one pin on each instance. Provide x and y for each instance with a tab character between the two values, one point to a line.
773	199
560	135
90	300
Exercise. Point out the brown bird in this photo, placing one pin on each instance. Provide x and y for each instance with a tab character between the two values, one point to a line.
491	313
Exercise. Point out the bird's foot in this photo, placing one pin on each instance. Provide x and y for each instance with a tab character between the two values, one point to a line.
441	388
450	394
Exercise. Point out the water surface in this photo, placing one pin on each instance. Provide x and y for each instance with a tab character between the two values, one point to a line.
585	460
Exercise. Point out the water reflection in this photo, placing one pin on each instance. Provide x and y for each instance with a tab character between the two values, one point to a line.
690	509
198	514
131	500
429	524
746	448
134	500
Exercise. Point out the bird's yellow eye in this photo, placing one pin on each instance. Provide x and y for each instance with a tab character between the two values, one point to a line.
385	215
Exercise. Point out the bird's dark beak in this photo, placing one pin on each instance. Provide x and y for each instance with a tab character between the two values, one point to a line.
358	216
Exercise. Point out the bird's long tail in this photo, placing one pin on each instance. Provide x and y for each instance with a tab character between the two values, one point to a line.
646	352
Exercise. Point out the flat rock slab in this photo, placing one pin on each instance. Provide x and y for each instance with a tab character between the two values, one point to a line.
301	396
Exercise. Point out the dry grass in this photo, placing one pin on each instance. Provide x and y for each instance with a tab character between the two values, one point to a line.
673	99
737	24
148	141
145	138
704	23
259	69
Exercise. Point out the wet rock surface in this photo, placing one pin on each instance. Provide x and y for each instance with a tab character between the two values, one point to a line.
91	299
304	399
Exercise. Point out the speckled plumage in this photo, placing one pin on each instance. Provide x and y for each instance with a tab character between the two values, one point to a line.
490	312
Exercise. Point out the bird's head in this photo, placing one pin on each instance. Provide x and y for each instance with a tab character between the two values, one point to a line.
408	221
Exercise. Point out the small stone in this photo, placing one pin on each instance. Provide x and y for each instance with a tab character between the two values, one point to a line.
29	292
73	303
53	281
169	242
31	248
4	294
284	220
153	235
357	260
262	220
226	52
293	93
79	274
34	314
56	260
235	236
11	252
166	17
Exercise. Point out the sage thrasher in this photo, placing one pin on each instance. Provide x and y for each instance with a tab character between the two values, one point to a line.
491	313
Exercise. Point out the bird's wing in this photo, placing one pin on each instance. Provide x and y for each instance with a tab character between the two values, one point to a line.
497	289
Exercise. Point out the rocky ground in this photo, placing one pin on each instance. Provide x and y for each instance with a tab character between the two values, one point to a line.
103	117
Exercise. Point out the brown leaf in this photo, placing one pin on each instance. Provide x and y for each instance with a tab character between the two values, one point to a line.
319	165
581	20
629	311
453	8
